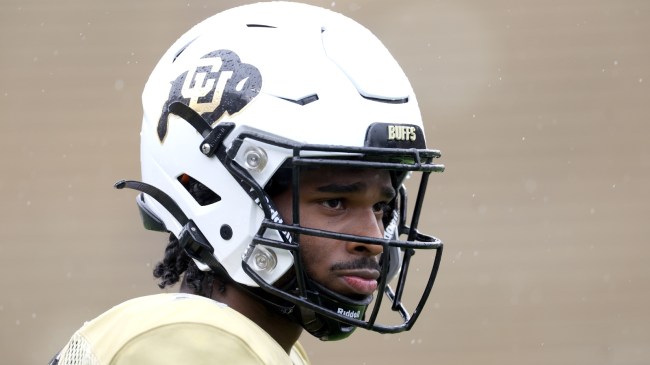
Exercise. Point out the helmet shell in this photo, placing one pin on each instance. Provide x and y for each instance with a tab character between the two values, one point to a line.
283	70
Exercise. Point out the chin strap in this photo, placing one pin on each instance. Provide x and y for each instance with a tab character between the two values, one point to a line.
212	137
192	240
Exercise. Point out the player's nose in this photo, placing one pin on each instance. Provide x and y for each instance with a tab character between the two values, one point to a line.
366	224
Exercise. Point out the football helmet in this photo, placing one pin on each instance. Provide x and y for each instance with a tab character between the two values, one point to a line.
265	90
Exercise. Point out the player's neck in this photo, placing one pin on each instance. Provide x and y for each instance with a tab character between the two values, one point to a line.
283	330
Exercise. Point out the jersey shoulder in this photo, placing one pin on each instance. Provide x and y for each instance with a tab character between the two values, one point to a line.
172	329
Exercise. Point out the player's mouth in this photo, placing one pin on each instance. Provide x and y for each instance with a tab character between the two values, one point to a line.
360	282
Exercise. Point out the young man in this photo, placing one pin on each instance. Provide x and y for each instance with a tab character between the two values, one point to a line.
275	142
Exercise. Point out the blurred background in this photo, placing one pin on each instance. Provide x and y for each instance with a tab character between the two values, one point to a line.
541	110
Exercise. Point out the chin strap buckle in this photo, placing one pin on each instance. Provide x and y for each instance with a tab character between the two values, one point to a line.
193	242
212	137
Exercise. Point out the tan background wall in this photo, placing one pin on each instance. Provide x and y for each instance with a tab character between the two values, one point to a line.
540	107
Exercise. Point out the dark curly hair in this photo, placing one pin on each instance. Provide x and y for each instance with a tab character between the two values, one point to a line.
174	264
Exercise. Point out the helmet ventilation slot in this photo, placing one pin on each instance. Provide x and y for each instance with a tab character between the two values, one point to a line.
259	26
201	193
182	50
302	101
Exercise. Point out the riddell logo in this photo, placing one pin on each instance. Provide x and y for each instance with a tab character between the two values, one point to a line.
349	313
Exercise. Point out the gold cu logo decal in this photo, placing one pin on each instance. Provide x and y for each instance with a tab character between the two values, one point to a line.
401	133
207	79
216	84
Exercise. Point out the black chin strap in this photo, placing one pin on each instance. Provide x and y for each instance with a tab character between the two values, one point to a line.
212	137
191	239
162	198
196	245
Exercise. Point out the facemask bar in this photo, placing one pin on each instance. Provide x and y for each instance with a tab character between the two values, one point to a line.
419	160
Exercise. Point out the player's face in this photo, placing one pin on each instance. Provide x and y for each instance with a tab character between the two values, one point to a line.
351	201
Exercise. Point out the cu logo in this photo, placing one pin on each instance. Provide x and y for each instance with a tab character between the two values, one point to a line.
218	83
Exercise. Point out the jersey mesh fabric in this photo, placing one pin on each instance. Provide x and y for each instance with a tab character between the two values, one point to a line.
78	352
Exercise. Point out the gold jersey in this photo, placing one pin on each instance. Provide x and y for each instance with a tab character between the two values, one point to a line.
174	329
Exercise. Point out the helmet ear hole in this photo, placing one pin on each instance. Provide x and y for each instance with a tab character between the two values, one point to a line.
201	193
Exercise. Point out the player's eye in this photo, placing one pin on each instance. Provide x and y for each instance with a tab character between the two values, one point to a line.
332	203
381	208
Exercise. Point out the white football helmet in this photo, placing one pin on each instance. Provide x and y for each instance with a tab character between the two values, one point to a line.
274	87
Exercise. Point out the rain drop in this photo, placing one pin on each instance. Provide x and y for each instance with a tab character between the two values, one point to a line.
530	186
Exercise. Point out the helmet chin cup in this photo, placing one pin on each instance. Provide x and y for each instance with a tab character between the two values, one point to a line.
323	325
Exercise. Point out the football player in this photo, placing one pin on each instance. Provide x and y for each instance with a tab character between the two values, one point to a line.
275	144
